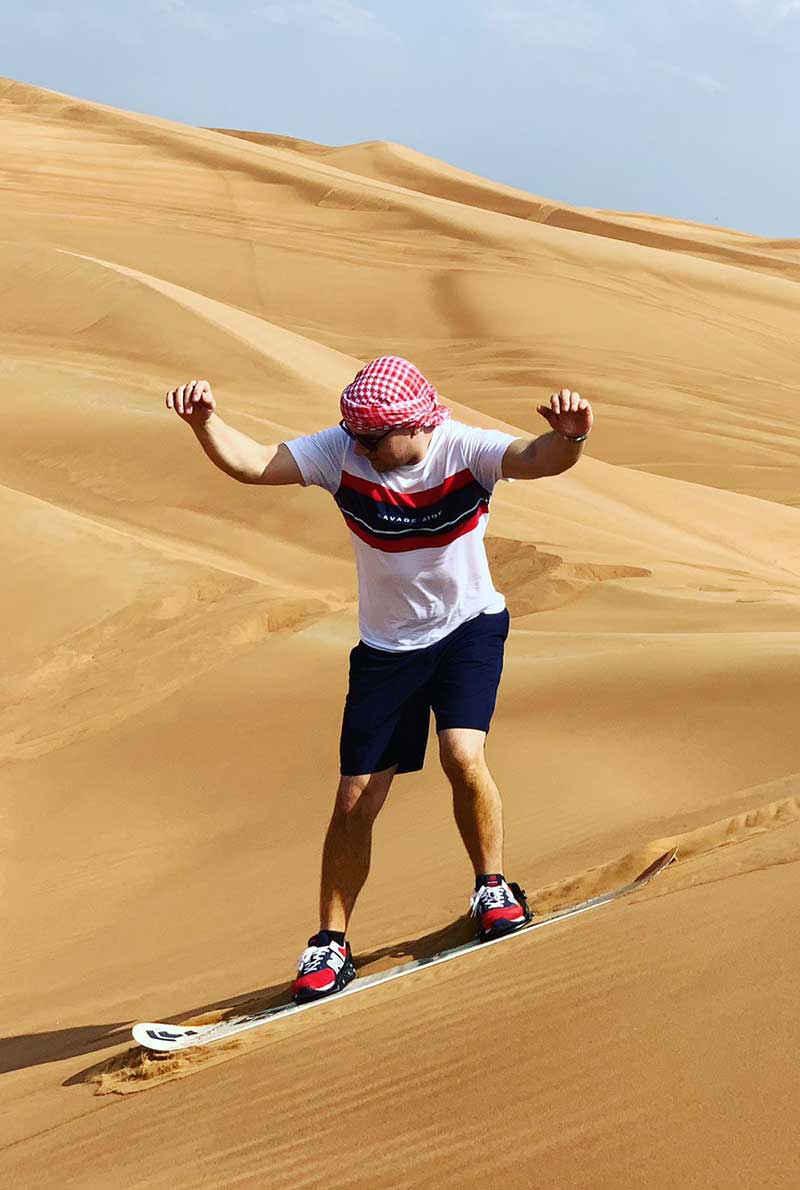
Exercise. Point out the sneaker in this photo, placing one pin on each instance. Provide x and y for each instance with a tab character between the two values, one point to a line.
323	968
501	908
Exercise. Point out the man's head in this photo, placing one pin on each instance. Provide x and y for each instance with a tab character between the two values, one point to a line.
391	411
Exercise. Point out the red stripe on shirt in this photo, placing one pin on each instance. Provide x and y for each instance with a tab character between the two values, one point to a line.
377	491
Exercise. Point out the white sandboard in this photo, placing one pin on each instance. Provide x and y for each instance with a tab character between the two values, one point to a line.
166	1038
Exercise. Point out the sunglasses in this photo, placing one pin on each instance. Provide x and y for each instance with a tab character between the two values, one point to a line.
368	441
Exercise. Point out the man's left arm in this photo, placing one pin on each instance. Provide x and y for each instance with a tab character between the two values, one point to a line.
571	420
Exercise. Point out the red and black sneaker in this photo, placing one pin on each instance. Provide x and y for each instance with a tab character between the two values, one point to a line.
323	968
500	907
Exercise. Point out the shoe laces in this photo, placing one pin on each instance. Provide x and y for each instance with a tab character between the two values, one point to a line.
490	896
314	958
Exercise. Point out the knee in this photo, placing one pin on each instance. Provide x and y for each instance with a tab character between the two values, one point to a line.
361	798
461	762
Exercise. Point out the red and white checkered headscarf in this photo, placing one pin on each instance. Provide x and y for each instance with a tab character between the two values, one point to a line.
389	392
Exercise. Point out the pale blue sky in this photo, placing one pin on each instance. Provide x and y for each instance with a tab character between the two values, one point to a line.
675	107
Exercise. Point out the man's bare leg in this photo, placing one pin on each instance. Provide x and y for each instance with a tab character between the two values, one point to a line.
477	805
348	845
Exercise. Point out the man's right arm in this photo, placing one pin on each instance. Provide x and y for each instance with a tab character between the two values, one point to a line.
230	450
243	458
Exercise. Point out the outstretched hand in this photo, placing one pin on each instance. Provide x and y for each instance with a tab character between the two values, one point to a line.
193	402
568	413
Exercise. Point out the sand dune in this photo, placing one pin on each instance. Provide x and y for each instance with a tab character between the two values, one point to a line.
389	162
675	345
175	663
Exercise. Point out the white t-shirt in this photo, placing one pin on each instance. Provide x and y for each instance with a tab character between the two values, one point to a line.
417	531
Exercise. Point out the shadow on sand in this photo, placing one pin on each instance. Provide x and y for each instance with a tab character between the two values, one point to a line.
35	1049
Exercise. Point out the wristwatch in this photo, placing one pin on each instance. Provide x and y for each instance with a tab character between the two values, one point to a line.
582	437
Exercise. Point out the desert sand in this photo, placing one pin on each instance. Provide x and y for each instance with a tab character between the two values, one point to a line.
174	664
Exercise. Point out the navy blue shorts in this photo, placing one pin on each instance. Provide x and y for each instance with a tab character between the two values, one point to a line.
390	697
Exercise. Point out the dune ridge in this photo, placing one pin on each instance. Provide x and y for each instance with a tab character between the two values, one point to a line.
387	161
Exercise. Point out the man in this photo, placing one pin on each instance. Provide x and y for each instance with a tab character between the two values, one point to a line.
414	487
